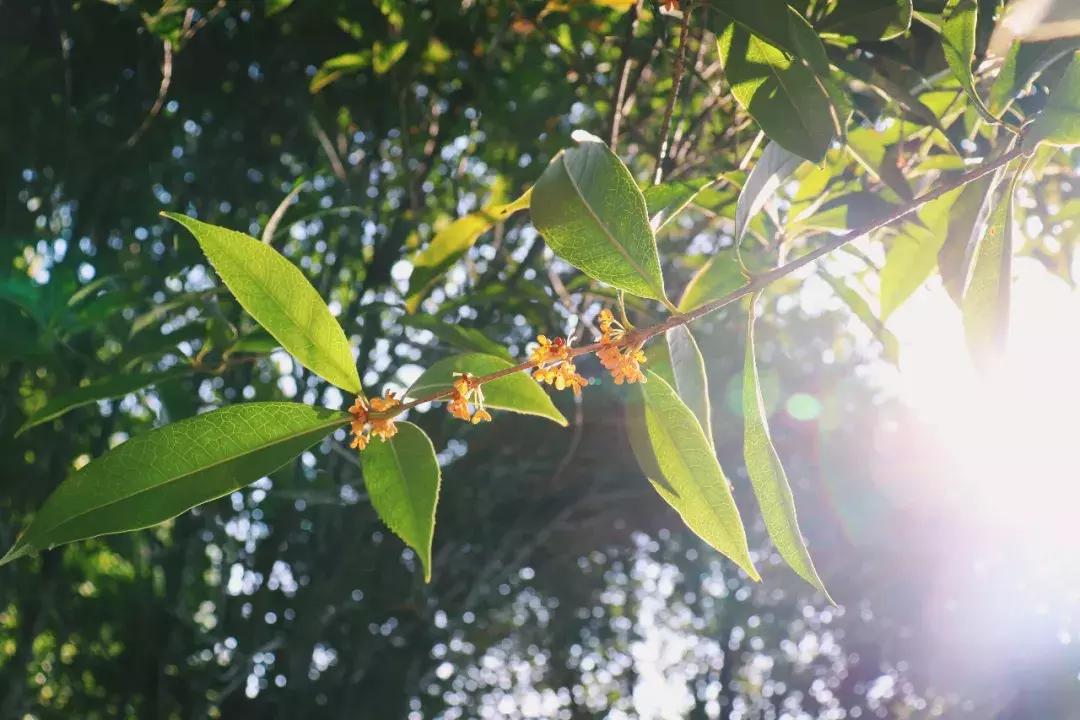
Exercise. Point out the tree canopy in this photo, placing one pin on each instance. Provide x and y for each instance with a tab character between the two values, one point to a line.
262	259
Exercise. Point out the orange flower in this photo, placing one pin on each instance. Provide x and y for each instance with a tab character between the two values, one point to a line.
467	389
555	366
624	363
364	425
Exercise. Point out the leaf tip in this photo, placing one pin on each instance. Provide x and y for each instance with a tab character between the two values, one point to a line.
17	551
584	136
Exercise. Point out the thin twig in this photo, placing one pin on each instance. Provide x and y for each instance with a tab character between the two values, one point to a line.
624	76
279	213
636	337
163	92
680	67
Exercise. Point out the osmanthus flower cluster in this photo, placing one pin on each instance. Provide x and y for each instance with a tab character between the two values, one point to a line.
554	365
468	389
623	362
373	418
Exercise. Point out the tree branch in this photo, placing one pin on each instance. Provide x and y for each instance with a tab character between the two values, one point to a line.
638	336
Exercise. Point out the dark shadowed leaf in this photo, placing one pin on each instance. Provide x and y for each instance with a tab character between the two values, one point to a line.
868	19
767	474
105	389
592	214
1059	122
167	471
782	93
462	338
402	478
280	298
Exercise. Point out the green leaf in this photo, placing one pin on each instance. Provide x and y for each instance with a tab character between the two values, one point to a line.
1023	64
1059	122
592	215
966	216
770	171
345	64
106	389
258	342
516	392
779	91
689	477
868	19
384	57
958	41
860	308
451	243
167	471
778	24
402	478
721	275
666	200
462	338
767	474
281	299
913	254
691	381
986	300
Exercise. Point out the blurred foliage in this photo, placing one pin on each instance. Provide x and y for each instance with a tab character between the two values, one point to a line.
557	579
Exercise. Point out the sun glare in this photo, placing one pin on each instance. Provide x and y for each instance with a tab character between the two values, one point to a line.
1010	434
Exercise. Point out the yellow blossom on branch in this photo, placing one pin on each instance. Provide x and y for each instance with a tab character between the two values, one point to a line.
466	389
554	365
623	363
368	420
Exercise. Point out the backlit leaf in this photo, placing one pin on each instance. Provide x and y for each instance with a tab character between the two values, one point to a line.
770	171
986	300
861	309
167	471
666	200
451	243
913	253
767	474
691	480
516	392
966	217
721	275
280	298
402	478
592	214
958	41
691	382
